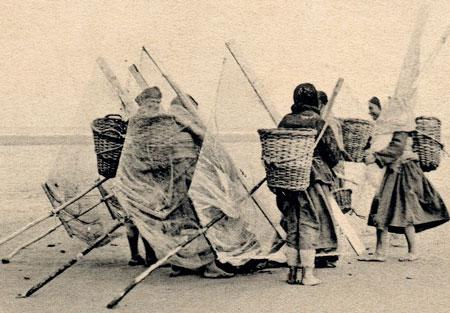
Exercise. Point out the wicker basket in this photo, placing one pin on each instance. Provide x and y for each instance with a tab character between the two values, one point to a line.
426	142
164	141
287	156
109	136
356	133
344	199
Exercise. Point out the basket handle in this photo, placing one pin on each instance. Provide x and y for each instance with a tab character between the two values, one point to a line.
430	137
277	162
112	130
114	116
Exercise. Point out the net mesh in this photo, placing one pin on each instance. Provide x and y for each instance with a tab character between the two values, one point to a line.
229	165
75	166
398	114
174	176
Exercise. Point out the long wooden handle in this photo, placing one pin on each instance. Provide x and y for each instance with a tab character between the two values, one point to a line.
336	90
24	228
187	103
8	258
274	115
74	260
140	80
128	104
142	276
160	262
51	213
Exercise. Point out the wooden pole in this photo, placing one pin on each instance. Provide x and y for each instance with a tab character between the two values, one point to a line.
275	226
347	229
161	262
276	118
274	115
328	108
137	75
53	212
187	103
128	104
8	258
69	264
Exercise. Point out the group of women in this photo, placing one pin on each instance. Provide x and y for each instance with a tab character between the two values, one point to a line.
405	203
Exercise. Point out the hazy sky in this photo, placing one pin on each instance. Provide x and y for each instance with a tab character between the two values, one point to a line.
48	48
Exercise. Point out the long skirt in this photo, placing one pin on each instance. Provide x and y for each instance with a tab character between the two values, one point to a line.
407	198
307	220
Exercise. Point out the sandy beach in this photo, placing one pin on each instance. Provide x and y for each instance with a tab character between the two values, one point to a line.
353	286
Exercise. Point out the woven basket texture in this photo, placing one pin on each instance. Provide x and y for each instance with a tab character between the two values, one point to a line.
356	133
287	156
109	136
426	142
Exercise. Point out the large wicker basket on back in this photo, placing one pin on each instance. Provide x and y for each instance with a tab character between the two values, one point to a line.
109	136
356	133
163	139
426	142
287	156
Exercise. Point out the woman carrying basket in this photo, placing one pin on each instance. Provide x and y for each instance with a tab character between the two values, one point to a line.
307	218
406	202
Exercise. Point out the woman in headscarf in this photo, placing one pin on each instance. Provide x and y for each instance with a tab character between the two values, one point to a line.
307	218
406	202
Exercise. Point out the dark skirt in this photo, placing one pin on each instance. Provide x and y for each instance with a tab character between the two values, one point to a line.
307	225
407	198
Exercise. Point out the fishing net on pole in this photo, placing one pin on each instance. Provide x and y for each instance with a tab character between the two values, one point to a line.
173	178
155	171
229	165
75	167
399	112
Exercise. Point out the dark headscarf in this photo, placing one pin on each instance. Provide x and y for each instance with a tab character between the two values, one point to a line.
376	101
305	98
323	98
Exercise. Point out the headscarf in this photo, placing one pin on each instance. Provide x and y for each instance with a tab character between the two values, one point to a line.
147	94
305	98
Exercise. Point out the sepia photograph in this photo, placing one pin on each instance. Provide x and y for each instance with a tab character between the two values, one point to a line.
224	156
